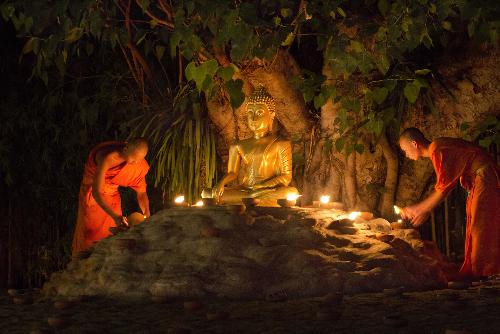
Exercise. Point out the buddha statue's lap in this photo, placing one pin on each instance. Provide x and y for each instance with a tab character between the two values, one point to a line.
268	159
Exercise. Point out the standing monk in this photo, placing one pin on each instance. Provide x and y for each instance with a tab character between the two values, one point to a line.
455	159
109	165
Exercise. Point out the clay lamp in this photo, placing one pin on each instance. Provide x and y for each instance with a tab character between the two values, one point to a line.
208	201
353	215
403	222
289	201
135	218
250	202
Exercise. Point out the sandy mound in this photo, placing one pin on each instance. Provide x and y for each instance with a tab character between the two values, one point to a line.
259	253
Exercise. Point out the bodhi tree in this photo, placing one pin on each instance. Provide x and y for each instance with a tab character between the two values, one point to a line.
344	75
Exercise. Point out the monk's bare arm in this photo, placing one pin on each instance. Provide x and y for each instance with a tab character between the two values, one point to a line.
143	200
420	212
98	185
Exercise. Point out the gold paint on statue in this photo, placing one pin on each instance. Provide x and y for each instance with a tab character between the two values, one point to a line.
267	158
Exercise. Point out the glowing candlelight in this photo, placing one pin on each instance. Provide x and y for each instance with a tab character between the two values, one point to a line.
179	199
397	209
353	215
199	203
292	197
324	199
400	220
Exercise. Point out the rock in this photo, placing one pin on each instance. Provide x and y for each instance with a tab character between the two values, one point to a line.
22	300
12	292
394	291
209	232
329	314
276	296
217	315
192	306
63	304
366	215
332	298
458	285
193	253
384	237
379	225
395	321
57	322
488	291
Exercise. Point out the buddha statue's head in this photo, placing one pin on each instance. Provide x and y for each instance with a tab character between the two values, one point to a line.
260	111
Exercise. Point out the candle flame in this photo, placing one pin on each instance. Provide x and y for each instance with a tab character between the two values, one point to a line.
400	220
354	215
199	203
397	209
179	199
292	197
324	199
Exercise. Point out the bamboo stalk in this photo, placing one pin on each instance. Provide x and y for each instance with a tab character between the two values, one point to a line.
433	226
447	226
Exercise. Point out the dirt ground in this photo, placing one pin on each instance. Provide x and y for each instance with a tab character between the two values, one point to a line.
473	310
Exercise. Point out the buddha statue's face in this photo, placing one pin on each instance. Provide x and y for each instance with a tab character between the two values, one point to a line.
260	119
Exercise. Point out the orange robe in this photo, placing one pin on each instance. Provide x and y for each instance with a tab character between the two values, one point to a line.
479	174
93	223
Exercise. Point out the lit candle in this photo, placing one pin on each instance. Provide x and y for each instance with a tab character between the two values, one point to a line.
199	203
179	200
353	215
324	199
397	209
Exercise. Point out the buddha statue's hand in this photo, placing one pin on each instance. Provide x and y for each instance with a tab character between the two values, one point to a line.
218	190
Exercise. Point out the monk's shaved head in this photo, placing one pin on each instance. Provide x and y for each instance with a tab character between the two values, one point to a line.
413	134
413	142
136	149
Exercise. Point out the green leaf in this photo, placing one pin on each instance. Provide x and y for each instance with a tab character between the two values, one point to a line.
423	71
341	12
486	142
289	39
446	25
411	92
234	88
339	144
28	47
380	94
226	73
359	148
383	7
285	12
159	52
464	126
382	63
377	126
74	34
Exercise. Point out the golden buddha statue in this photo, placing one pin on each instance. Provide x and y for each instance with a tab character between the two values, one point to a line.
267	158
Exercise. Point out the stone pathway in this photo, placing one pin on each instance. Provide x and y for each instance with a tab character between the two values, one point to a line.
474	310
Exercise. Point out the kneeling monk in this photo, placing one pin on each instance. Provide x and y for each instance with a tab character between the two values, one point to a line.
455	159
109	165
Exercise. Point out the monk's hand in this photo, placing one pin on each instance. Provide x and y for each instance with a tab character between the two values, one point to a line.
409	212
120	220
420	219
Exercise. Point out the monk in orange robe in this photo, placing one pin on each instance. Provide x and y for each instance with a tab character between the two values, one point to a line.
109	165
455	159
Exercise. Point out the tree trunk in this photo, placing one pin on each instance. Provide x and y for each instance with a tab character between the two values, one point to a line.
386	206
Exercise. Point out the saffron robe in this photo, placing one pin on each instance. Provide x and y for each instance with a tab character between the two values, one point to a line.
93	222
479	174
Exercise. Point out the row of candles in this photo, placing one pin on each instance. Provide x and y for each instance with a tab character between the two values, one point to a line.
323	201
